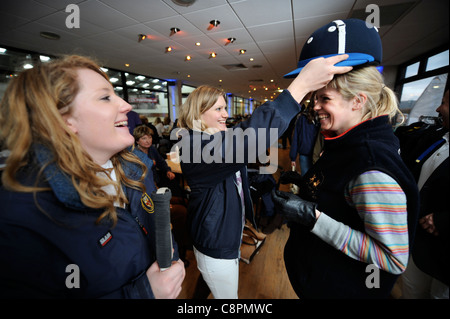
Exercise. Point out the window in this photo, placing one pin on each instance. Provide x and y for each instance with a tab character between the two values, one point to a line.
421	85
412	70
437	61
12	62
422	97
147	95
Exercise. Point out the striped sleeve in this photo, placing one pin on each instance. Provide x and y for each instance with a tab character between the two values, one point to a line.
381	204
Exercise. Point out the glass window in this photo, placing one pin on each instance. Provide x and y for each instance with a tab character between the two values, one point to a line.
412	70
119	91
147	96
185	91
11	63
437	61
114	76
422	97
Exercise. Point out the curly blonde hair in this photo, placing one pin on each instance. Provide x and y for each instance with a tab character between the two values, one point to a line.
31	113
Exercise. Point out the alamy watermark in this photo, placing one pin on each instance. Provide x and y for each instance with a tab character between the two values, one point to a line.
73	19
373	19
73	279
233	146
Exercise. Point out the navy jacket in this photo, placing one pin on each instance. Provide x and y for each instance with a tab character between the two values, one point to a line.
215	208
40	246
304	137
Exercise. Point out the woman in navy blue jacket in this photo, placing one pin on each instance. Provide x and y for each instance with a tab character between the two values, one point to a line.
214	159
76	219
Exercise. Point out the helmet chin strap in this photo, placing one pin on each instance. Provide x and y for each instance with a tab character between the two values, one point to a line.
341	35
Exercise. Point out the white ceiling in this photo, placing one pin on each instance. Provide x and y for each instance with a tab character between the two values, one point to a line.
272	32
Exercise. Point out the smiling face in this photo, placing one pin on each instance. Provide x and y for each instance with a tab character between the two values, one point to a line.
335	113
145	142
216	116
99	117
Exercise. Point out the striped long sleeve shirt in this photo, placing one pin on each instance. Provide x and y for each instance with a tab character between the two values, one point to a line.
381	204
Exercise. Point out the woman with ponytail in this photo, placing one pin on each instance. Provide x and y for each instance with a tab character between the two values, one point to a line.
74	214
354	219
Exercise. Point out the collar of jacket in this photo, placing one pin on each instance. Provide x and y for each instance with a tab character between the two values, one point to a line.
377	128
61	182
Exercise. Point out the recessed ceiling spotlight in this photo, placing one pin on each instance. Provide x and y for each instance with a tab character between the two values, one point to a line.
242	51
168	49
184	3
212	55
141	37
230	40
213	24
187	58
174	30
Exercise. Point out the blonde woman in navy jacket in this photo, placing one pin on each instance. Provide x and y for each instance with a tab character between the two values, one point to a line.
75	217
214	166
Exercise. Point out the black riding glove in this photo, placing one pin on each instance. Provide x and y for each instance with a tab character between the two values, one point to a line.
290	177
295	209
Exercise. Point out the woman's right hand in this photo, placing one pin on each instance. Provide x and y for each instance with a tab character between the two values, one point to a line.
166	284
316	74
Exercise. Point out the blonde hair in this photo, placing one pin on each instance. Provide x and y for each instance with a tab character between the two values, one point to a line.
381	100
31	112
199	101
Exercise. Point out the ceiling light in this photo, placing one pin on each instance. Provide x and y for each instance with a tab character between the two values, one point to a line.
197	44
141	37
174	30
168	49
44	58
230	40
184	3
49	35
187	58
242	51
213	23
212	55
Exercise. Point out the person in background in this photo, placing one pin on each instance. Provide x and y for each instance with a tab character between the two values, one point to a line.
143	138
427	273
133	120
303	140
219	202
155	137
167	125
355	216
75	216
159	126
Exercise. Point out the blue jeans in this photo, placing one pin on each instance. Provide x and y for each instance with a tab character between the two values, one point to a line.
305	163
